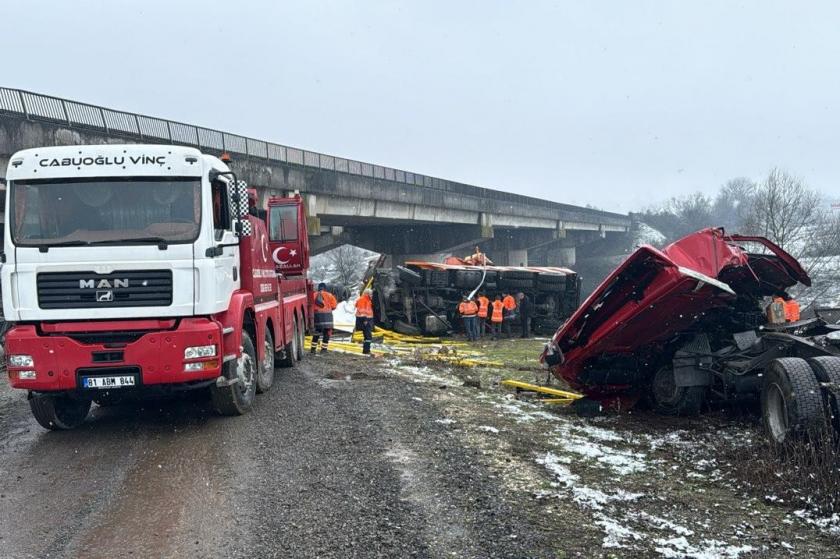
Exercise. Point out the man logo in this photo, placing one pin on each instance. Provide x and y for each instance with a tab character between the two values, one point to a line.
104	296
102	284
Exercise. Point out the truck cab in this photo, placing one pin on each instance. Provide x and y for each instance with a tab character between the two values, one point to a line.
134	267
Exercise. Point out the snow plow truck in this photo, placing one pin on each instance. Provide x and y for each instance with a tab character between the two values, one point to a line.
702	320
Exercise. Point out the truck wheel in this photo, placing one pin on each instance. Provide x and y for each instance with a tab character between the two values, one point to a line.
57	412
827	369
791	400
670	399
301	335
265	375
238	397
291	350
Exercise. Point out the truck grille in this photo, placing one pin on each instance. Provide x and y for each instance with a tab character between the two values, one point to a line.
86	290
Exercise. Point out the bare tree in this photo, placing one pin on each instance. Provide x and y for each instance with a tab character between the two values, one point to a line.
733	202
348	264
786	211
795	217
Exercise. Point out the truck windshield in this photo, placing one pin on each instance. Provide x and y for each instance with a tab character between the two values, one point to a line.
105	211
284	223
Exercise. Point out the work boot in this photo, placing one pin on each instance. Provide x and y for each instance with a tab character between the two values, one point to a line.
324	349
312	350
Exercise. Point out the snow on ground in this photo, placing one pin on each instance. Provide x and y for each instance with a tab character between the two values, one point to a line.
614	475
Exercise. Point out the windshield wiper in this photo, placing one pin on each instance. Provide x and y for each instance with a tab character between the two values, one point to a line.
46	248
162	243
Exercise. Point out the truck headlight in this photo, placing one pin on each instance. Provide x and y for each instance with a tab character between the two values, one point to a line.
197	352
21	361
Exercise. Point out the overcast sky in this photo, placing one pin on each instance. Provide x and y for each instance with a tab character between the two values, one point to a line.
616	104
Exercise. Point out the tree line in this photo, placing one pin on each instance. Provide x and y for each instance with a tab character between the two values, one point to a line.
781	207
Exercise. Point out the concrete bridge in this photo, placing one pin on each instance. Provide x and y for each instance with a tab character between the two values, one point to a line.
391	211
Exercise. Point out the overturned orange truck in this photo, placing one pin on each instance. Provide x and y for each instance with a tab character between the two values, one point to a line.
704	320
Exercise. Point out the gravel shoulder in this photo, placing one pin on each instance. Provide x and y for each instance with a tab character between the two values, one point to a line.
353	457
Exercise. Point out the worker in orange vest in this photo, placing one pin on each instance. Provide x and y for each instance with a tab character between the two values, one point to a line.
324	303
469	312
364	318
483	312
510	312
496	316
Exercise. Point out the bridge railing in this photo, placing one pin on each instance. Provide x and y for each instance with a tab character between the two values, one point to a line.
35	106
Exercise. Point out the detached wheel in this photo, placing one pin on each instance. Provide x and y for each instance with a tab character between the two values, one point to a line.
827	369
237	397
792	405
291	349
58	412
265	376
670	399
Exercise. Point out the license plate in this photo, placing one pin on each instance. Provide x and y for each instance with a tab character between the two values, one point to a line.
107	382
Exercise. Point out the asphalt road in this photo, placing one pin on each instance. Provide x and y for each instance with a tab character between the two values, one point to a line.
322	467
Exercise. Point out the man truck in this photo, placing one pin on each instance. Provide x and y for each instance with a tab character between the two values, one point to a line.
144	269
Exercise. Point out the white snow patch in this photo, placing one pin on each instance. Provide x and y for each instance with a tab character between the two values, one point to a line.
679	548
445	421
488	428
615	533
829	524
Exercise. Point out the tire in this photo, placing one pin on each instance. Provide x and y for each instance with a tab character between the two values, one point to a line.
467	279
301	334
792	405
238	397
827	369
517	275
514	283
290	351
552	279
408	276
670	399
265	372
58	412
406	328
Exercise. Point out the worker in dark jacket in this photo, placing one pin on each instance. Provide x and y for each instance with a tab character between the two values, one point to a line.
324	303
364	318
526	311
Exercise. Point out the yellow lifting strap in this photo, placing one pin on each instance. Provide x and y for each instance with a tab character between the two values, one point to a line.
561	395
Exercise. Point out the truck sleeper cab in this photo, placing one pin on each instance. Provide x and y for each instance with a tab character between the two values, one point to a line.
136	268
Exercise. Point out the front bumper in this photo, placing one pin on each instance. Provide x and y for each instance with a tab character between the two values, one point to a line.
156	356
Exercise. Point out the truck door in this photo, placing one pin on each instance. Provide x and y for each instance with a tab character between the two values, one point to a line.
226	261
287	235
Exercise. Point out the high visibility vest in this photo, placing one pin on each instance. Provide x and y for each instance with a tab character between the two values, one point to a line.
509	303
468	308
324	301
483	306
498	306
364	307
791	310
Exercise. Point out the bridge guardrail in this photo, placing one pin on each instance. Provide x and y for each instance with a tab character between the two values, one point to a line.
36	106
